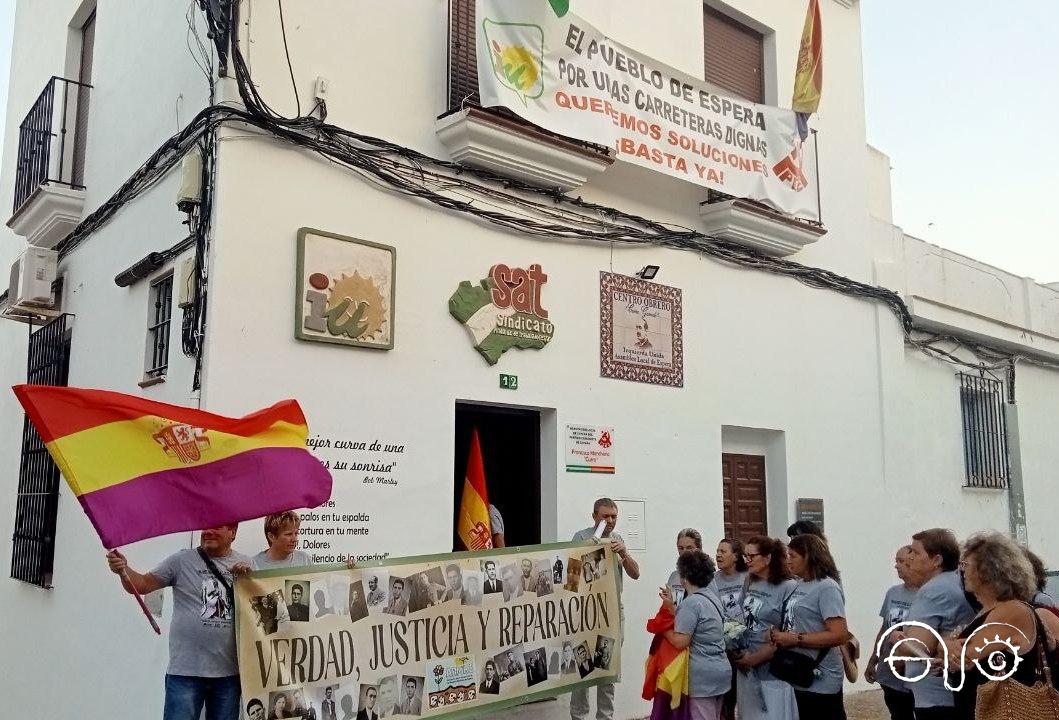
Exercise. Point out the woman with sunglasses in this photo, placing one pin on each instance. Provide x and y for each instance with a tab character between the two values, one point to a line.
760	696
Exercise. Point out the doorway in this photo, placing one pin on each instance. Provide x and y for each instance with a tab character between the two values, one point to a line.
745	505
510	439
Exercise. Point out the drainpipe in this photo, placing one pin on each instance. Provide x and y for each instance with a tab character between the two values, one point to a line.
1016	492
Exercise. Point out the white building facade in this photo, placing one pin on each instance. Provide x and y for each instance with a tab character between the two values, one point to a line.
788	392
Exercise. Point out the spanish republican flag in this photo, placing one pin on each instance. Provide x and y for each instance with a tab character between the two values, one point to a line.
141	468
474	527
809	75
666	679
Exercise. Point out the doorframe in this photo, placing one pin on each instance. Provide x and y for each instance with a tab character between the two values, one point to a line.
772	444
547	459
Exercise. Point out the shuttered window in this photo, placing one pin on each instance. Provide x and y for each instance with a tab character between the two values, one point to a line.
463	68
84	76
734	56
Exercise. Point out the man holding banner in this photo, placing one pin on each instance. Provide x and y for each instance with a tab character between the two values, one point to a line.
203	672
605	513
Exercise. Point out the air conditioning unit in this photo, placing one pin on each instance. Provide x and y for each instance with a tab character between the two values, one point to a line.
29	293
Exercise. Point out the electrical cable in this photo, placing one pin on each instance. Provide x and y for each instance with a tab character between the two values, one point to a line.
482	195
286	51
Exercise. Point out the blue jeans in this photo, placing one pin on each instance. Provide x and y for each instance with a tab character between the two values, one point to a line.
186	695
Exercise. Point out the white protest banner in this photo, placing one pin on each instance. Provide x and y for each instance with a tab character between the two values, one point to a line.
436	636
566	76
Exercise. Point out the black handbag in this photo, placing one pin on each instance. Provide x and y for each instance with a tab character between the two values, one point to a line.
792	667
796	668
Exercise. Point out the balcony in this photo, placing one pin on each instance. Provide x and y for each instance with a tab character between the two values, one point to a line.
49	170
496	139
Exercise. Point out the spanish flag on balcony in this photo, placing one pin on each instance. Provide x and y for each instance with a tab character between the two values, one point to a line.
141	468
474	527
809	75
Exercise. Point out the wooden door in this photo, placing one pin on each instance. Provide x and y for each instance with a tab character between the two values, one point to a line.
745	508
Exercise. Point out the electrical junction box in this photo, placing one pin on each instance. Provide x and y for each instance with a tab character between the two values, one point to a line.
186	298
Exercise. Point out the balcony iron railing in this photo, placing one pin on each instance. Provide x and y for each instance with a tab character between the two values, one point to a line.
45	156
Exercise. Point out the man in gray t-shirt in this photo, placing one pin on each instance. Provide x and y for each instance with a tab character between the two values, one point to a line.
203	671
604	510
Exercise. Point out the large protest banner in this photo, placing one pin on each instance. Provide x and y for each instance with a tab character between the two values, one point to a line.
566	76
433	636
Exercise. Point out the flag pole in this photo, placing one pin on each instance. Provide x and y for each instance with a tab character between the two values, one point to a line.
140	600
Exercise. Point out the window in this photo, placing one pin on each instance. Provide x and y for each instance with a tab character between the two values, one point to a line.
159	312
735	56
985	448
37	504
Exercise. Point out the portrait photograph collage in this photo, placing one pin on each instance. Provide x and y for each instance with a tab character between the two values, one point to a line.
487	594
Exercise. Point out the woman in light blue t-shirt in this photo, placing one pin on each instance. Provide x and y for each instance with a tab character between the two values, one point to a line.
814	620
699	627
759	695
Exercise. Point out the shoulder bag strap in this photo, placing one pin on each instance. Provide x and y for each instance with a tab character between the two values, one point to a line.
212	567
1044	668
783	613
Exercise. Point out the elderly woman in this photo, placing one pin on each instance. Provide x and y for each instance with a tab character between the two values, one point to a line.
815	620
1040	575
759	695
699	627
1001	578
688	540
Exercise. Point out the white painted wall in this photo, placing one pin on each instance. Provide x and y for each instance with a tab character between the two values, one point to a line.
856	418
85	637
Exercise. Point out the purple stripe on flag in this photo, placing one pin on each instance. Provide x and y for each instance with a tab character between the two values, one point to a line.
660	709
249	485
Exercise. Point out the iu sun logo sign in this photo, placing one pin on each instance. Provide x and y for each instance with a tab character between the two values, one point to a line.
182	441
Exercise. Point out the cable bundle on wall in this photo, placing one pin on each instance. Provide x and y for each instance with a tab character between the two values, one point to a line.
486	196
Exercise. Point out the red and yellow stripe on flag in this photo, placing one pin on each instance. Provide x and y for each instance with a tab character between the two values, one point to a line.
474	527
809	76
141	468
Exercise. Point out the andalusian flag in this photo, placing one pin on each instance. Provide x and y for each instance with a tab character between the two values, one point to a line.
809	76
474	527
141	468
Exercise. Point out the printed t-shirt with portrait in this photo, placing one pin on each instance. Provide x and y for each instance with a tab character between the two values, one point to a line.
941	604
202	633
729	590
676	587
709	672
894	610
810	605
762	610
496	520
262	561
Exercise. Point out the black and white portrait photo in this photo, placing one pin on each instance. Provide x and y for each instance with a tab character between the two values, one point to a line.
509	663
358	604
604	648
297	594
536	666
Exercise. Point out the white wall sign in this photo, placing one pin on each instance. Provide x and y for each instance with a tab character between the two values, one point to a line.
590	449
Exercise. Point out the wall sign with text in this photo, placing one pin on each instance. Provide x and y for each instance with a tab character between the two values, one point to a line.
640	330
589	449
345	290
504	310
